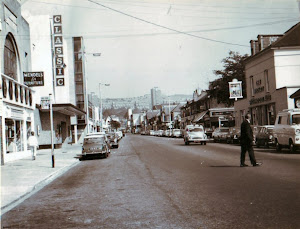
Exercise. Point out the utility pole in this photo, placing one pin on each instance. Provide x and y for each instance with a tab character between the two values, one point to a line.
52	135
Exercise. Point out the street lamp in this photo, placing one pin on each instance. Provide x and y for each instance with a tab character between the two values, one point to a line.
101	109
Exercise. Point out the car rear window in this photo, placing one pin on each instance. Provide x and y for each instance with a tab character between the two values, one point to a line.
94	140
196	130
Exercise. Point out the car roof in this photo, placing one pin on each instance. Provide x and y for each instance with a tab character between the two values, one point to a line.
94	136
95	133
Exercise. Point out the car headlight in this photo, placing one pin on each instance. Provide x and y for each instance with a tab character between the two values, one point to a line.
297	131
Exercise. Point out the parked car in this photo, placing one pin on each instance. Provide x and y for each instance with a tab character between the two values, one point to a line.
220	134
234	135
112	139
119	135
208	132
152	132
195	134
160	133
265	136
94	145
168	132
176	133
287	129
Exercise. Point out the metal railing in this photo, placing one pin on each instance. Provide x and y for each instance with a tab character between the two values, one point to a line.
16	93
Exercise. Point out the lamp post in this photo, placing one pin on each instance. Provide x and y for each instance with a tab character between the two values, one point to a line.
101	110
86	79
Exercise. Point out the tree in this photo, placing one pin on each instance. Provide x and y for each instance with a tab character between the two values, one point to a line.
234	68
115	125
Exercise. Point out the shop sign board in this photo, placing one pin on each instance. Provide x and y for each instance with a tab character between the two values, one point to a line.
235	89
32	79
45	103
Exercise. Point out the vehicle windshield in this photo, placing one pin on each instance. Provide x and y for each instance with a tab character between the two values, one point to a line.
99	140
196	130
296	119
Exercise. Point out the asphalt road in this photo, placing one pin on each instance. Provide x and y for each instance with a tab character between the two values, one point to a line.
152	182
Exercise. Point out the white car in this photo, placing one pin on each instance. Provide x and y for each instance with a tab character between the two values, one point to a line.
286	130
195	134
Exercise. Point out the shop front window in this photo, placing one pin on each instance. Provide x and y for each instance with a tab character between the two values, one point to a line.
14	135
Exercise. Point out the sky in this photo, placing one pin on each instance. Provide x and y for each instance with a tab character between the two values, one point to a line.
174	45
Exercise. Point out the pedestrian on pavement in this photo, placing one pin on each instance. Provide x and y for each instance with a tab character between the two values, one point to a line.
247	142
33	144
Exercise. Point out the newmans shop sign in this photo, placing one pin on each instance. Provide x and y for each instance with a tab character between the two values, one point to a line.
32	79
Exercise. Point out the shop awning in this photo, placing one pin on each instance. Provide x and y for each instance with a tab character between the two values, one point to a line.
66	109
199	116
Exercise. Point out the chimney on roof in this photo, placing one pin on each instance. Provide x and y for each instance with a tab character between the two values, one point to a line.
262	42
254	47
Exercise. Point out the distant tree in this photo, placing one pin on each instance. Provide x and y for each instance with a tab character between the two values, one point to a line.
234	68
115	125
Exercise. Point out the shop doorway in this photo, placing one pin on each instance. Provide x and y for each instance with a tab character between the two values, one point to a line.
64	133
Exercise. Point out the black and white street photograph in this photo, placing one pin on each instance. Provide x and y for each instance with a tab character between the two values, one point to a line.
150	114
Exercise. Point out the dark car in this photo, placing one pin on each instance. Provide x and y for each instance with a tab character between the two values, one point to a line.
234	135
265	136
94	146
220	134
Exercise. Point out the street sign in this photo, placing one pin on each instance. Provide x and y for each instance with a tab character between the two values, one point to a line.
45	103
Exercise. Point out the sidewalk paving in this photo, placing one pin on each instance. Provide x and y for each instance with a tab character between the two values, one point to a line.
24	177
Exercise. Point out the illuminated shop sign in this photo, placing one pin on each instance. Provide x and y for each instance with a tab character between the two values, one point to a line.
58	50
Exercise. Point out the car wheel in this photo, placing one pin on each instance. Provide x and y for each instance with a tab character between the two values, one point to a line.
278	146
292	147
204	143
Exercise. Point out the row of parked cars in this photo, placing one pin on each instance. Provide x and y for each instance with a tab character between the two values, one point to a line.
285	133
174	133
99	144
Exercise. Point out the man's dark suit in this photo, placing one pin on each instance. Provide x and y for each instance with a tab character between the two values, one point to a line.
246	142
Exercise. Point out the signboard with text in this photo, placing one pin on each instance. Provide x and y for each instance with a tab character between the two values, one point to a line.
235	89
58	50
45	103
32	79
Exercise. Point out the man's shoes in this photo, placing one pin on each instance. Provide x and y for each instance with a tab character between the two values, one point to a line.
243	165
257	164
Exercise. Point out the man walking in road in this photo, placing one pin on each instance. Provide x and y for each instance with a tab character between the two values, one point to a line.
246	142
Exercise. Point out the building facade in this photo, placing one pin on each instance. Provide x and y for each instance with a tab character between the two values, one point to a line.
61	60
17	101
272	76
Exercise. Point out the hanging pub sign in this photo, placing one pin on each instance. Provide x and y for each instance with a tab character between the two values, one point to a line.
32	79
58	50
235	89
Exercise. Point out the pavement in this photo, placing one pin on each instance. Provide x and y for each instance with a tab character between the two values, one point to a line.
22	178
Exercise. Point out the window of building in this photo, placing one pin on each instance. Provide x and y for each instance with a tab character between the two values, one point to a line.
252	85
266	73
10	58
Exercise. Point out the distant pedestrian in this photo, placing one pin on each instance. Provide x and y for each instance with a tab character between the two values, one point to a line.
247	142
33	144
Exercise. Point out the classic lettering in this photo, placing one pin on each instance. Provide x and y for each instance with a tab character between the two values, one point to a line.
57	19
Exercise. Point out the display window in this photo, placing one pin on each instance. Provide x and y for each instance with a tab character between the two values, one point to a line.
14	135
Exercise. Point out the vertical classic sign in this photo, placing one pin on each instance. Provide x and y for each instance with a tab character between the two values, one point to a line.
58	50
